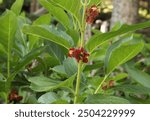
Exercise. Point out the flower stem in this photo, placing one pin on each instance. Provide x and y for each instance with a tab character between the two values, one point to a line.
78	82
82	30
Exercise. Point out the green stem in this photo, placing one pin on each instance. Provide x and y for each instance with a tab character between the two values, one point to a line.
82	29
98	88
78	82
83	23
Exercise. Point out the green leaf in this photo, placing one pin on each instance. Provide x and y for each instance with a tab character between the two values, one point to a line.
71	6
139	76
50	34
2	78
1	1
21	44
27	59
99	39
60	101
50	61
69	82
56	51
121	55
59	69
44	19
41	83
120	76
17	6
60	14
70	66
147	46
2	86
96	65
133	89
2	49
74	34
3	97
8	28
30	99
137	100
102	99
48	97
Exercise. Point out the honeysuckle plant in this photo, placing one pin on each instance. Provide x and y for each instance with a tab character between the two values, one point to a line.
42	62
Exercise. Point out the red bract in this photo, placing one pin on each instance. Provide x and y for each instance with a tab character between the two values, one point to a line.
91	14
13	96
78	54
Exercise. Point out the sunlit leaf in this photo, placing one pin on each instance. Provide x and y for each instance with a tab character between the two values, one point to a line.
50	34
99	39
17	6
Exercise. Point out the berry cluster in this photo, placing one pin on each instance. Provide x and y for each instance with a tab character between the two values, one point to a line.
91	14
14	97
78	54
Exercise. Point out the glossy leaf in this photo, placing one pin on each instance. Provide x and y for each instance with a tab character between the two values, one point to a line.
133	89
17	6
56	51
139	76
121	55
96	65
50	34
59	69
8	28
48	97
59	14
136	100
70	66
43	19
71	6
8	25
74	34
42	84
27	59
120	76
102	99
21	44
99	39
